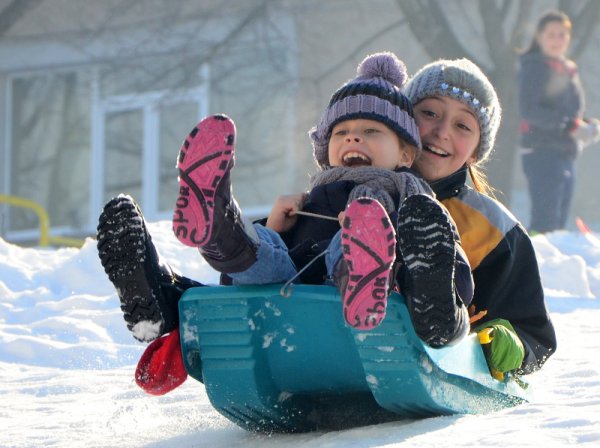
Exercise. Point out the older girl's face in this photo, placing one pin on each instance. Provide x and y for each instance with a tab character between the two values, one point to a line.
450	136
554	39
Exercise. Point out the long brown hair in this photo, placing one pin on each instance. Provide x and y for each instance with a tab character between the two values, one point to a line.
545	19
480	180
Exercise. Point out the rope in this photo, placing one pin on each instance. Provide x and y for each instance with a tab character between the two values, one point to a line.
315	215
286	289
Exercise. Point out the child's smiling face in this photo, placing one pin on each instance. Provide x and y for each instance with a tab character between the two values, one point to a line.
450	135
363	142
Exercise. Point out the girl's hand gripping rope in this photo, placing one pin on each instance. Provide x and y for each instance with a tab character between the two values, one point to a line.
283	215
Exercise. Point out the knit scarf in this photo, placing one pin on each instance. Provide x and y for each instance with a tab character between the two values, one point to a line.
375	183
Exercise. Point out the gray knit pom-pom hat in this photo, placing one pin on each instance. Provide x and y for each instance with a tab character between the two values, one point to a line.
462	80
375	95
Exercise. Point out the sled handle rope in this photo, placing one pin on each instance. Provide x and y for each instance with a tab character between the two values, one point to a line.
485	337
286	289
316	215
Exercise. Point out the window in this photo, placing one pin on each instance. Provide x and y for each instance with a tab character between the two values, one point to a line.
139	139
72	147
49	147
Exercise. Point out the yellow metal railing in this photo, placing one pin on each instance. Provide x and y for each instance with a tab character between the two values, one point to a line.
44	222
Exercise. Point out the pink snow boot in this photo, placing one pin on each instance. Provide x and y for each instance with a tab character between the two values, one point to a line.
206	214
368	248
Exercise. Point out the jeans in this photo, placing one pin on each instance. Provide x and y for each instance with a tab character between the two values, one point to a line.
334	254
551	180
273	263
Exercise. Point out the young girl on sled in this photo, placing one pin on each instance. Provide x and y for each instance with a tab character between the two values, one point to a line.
434	282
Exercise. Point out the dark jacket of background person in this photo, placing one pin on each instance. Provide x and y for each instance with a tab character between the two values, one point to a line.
551	98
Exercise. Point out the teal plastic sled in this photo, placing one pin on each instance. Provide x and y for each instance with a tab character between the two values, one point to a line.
291	364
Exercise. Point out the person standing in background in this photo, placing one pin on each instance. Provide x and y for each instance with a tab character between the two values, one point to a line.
553	130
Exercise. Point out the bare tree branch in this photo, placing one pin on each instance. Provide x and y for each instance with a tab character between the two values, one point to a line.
360	48
235	31
16	9
516	37
493	33
428	23
505	7
584	24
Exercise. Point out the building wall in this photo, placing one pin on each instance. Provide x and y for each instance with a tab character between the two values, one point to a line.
270	65
126	72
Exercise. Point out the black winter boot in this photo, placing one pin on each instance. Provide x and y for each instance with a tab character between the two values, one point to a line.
148	290
206	214
426	240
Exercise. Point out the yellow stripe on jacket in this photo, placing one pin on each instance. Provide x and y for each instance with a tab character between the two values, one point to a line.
482	223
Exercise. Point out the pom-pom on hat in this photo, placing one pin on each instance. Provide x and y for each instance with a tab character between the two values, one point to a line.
462	80
375	95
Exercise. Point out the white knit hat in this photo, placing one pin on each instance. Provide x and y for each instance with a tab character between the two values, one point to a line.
462	80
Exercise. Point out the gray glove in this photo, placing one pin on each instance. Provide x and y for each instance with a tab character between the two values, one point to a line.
587	132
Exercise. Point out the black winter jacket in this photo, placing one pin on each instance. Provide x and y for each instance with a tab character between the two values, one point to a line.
504	266
550	99
311	236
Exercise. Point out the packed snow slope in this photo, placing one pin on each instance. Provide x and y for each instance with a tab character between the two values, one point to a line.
67	363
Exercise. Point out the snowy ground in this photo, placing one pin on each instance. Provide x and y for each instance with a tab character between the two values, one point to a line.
67	362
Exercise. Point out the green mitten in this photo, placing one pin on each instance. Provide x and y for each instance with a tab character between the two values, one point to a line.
505	352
